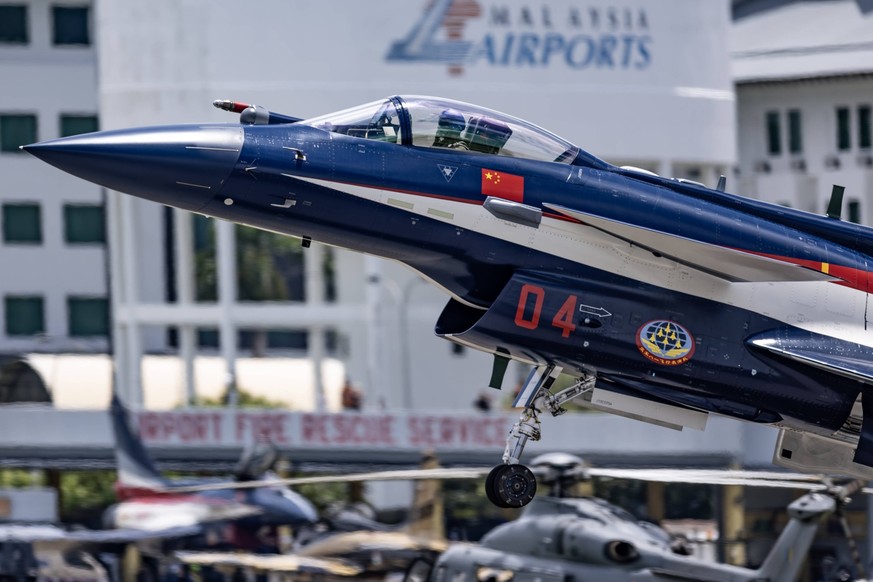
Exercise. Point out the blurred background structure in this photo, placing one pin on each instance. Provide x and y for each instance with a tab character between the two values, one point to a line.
190	302
176	309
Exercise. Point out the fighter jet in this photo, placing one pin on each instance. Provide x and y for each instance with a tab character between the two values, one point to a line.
666	300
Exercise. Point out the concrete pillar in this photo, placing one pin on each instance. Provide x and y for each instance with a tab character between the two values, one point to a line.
117	297
374	394
665	168
130	301
184	243
655	506
225	250
313	260
733	525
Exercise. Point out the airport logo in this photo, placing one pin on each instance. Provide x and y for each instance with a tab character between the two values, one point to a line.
665	342
578	37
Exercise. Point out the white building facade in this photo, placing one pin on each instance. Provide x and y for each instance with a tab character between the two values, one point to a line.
804	76
634	83
53	284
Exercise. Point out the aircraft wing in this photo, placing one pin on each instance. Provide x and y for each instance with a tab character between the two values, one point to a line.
272	562
50	533
852	361
726	263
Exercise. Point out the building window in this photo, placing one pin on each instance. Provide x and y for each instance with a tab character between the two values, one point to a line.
795	133
88	316
76	124
84	224
22	223
13	24
16	130
70	25
774	134
844	140
24	316
864	138
855	211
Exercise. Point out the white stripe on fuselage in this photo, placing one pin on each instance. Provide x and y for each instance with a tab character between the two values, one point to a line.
821	307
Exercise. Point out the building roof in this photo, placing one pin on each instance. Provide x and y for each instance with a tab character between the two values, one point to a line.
803	40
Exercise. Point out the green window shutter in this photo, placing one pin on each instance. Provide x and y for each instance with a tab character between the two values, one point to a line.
88	316
24	316
774	133
22	223
795	132
864	137
70	25
76	124
13	24
16	130
844	139
84	224
855	211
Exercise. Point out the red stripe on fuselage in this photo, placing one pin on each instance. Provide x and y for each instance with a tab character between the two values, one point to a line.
848	276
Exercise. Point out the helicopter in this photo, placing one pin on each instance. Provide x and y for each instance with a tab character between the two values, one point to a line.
559	538
353	547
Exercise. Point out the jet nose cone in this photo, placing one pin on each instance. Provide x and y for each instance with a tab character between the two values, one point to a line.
179	165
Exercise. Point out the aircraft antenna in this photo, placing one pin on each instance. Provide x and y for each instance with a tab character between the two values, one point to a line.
722	183
835	206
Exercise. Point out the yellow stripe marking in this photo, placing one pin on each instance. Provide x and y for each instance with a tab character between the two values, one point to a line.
440	213
400	203
825	267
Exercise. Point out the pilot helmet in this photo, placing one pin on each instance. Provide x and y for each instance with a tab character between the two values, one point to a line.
451	123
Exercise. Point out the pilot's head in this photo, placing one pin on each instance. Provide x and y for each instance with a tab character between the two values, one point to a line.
450	125
487	135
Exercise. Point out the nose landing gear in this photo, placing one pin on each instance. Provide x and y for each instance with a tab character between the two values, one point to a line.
512	484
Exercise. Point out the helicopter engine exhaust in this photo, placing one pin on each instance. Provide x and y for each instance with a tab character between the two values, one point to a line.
621	552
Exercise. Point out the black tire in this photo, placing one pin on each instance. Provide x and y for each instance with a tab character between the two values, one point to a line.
491	490
511	486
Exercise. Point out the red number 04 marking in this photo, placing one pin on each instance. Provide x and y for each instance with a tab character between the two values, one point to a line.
563	319
539	295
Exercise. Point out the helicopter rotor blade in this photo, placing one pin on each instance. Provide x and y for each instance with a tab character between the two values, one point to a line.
700	476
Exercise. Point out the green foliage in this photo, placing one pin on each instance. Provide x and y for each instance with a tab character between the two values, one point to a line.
681	500
17	478
689	501
627	494
323	495
245	399
86	489
79	490
466	500
264	262
269	265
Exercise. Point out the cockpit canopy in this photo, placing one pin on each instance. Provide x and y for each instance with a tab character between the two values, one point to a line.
433	122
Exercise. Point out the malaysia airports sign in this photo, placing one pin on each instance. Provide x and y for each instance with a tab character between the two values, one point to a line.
467	33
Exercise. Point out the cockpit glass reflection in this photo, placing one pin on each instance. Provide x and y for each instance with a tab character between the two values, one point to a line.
379	120
464	127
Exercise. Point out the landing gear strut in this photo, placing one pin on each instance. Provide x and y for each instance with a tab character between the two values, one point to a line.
512	484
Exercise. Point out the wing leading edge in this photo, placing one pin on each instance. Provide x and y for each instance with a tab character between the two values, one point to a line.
722	262
839	357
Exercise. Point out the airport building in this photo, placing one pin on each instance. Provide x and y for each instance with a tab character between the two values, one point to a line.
616	79
634	82
804	82
53	279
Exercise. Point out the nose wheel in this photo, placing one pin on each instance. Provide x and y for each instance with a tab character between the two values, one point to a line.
513	484
510	486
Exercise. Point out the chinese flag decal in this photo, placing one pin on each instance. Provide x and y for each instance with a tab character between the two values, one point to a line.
502	185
